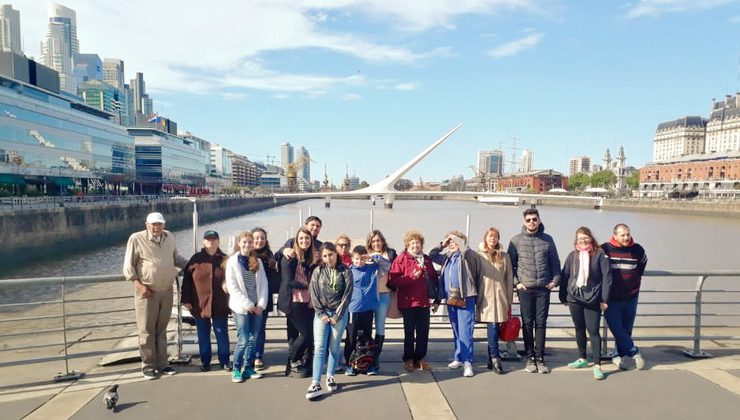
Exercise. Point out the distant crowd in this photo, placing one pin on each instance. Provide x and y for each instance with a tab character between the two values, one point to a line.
330	291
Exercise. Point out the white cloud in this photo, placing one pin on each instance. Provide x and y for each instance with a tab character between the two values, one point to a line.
659	7
405	86
516	46
184	45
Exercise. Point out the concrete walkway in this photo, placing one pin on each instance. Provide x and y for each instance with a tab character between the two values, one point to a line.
673	387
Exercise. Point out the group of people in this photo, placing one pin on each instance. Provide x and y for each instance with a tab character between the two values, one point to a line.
331	290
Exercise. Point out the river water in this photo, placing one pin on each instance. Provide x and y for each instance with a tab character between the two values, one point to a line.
672	242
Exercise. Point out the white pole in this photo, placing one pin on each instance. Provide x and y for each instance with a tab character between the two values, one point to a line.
309	211
300	217
467	226
195	226
371	219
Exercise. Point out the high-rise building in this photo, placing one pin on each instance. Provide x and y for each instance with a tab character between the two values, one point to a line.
10	29
723	128
100	95
87	67
143	105
527	161
286	155
138	87
113	72
684	136
302	155
60	46
580	164
491	162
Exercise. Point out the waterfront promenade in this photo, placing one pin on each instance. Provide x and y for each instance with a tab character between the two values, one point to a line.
673	387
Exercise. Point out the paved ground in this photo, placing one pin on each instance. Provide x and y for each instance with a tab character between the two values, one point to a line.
673	387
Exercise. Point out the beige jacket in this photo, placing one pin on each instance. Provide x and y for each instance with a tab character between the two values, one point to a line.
495	289
150	262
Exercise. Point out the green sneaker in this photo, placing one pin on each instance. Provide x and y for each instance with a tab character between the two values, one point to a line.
251	373
578	364
598	374
236	376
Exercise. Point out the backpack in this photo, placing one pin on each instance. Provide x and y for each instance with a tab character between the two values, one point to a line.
364	354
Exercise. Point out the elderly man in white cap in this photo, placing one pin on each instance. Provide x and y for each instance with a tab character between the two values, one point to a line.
151	257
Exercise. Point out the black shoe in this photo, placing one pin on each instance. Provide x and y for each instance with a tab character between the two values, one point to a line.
287	368
227	366
169	371
205	368
496	365
299	372
489	364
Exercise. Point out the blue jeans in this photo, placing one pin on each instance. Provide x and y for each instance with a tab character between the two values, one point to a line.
259	350
247	327
321	334
381	312
620	315
492	336
463	321
221	330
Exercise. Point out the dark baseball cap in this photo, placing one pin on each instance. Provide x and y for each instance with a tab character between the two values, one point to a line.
210	234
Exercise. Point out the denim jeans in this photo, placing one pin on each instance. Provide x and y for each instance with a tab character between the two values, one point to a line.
492	331
463	321
247	327
381	312
534	304
259	349
323	333
620	315
221	330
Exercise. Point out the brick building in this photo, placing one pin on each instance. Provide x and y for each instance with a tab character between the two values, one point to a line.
535	181
711	171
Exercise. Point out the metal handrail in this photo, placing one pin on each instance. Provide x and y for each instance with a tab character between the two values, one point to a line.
63	282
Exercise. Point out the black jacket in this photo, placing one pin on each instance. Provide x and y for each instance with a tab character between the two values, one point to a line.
597	286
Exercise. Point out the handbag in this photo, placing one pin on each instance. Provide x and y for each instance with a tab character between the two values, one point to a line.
509	329
455	299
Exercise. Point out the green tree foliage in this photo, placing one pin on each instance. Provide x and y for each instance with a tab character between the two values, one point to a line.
633	181
364	184
603	179
579	181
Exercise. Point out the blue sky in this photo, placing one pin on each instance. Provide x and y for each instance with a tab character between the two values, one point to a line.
371	83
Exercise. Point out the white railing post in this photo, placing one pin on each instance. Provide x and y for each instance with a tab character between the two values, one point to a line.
696	352
67	375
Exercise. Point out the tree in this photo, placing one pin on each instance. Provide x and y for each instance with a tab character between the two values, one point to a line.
603	179
404	184
579	181
364	184
633	181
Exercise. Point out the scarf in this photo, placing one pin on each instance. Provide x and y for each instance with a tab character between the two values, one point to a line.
614	243
584	259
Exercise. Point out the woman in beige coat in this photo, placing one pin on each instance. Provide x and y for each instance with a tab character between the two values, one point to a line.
495	292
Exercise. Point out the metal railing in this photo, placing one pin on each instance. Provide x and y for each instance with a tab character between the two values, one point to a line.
26	323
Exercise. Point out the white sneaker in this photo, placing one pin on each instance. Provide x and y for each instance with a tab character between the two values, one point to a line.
619	363
639	361
468	371
455	364
331	384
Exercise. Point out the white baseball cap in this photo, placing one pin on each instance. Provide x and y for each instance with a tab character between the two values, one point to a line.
155	217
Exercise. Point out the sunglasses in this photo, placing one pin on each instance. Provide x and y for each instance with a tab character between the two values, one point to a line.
531	219
343	244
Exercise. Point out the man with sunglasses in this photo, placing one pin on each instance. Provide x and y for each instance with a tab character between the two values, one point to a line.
536	266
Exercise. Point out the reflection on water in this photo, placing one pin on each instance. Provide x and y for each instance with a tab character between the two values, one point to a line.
672	242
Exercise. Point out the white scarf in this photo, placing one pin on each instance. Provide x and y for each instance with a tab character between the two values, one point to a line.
584	261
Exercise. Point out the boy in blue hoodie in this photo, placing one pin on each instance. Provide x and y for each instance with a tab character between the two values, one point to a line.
364	301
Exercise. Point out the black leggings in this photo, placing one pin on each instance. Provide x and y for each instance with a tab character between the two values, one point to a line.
415	333
358	321
300	330
587	318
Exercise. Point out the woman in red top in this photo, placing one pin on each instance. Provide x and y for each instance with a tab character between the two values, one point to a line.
413	274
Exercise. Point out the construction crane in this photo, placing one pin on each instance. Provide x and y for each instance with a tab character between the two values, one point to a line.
481	178
292	170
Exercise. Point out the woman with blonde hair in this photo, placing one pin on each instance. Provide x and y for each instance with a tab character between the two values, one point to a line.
246	282
495	292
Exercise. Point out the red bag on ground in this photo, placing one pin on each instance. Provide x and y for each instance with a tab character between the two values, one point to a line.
509	330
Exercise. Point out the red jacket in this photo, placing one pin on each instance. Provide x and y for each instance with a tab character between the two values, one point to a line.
412	291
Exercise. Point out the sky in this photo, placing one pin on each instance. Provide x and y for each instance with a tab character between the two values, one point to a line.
368	84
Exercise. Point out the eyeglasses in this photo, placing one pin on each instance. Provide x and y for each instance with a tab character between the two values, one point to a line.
343	244
531	219
584	240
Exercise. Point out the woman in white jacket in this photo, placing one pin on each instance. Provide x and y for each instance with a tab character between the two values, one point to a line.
248	293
